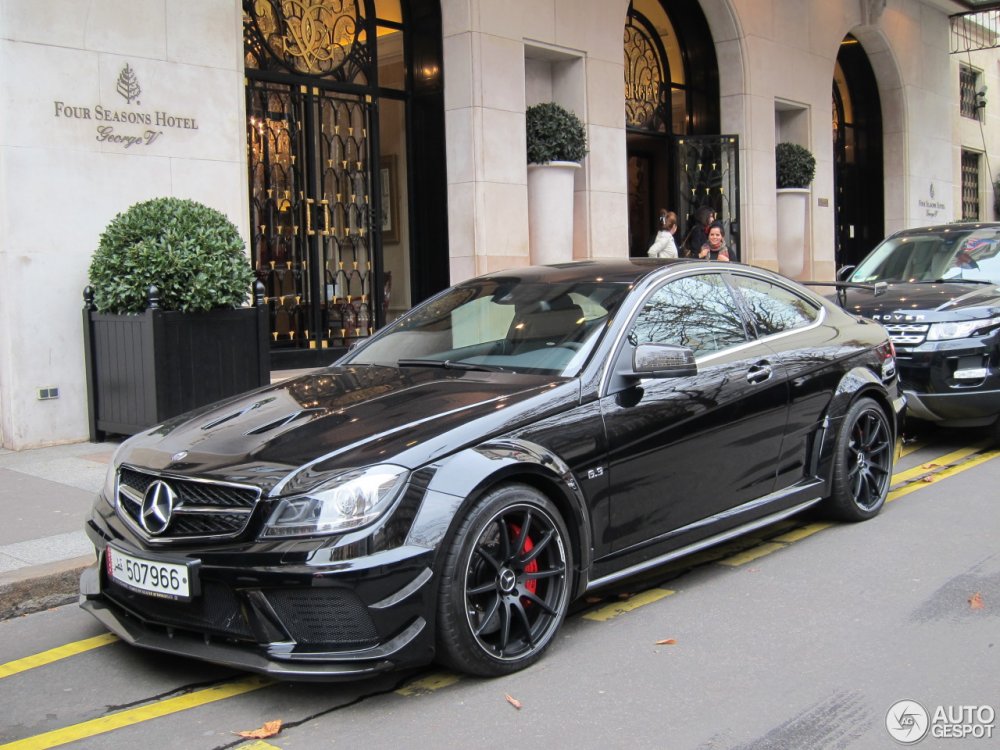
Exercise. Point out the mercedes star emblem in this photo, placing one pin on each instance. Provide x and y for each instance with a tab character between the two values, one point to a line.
157	507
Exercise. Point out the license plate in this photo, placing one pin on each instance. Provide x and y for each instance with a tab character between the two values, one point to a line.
167	580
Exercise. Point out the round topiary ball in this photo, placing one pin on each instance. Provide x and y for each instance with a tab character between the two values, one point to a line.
191	253
796	166
554	134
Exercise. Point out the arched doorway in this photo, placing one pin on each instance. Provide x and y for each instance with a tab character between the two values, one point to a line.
857	153
334	91
671	90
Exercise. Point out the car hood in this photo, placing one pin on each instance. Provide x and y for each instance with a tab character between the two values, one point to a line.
935	302
344	417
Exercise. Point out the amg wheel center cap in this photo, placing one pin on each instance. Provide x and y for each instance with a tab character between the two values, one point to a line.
157	507
507	580
862	463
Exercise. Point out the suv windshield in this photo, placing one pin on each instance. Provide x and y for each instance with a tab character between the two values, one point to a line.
499	324
939	255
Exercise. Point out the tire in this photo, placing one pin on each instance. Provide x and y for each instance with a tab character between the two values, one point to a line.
863	462
505	584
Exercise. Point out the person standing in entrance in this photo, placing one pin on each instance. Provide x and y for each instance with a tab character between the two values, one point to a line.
715	247
663	244
698	236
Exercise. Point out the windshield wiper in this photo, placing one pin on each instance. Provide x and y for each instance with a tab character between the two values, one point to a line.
959	280
449	364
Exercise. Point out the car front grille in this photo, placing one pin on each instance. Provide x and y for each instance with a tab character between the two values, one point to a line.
201	509
907	334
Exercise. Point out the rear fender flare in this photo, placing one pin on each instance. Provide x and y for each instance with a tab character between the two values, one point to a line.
856	383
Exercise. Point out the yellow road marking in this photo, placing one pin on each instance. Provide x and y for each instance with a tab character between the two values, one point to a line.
55	654
752	554
801	532
426	684
610	611
259	745
951	471
912	448
137	715
944	460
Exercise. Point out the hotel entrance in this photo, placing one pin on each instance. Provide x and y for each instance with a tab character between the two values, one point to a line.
332	91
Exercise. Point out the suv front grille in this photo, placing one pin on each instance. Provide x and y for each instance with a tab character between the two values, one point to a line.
201	509
907	334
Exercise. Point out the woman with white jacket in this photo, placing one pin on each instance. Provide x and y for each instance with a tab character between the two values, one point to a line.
663	245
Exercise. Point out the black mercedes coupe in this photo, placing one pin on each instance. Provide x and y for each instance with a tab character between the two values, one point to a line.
447	488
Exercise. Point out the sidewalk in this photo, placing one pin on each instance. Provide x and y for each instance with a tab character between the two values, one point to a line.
45	499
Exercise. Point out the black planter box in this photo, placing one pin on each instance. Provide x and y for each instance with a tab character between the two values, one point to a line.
145	368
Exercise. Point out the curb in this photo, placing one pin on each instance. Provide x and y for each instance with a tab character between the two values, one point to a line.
39	587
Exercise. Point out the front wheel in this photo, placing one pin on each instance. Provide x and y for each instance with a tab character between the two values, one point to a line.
862	463
505	583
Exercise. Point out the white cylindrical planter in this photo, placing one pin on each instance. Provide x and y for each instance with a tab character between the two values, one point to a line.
793	206
550	211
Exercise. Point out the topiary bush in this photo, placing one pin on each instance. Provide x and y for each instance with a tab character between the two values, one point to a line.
191	253
554	134
796	165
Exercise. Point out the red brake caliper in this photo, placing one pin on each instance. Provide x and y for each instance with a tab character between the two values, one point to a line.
532	567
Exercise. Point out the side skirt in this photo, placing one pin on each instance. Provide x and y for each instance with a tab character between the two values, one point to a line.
701	544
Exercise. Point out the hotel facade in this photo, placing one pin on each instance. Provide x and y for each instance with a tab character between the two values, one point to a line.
372	152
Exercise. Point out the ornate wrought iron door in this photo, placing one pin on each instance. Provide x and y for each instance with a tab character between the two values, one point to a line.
311	84
709	175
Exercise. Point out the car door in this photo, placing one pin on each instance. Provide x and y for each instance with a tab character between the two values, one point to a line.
686	449
808	353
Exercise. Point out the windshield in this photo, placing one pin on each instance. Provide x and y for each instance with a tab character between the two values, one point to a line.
500	324
941	255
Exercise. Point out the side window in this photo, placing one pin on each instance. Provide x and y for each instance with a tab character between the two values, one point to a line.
774	308
698	312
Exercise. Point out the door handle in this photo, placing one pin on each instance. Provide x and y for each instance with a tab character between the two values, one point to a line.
759	373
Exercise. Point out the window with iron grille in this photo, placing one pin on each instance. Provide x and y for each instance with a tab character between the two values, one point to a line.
970	185
968	81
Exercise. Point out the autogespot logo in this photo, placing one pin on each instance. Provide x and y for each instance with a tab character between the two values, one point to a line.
907	722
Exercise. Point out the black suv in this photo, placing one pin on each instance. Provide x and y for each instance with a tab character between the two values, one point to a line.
942	310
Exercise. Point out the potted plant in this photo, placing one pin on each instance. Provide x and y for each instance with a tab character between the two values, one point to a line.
795	169
556	144
166	325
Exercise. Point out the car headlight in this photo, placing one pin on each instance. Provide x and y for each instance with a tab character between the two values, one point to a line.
959	330
348	501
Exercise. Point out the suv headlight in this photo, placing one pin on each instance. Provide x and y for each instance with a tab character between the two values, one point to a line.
959	330
348	501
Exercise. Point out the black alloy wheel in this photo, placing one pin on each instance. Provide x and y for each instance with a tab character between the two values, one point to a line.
506	584
863	462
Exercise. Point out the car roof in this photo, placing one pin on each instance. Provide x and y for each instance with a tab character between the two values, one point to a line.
620	270
958	226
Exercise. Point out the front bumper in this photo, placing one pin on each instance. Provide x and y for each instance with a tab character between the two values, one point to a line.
954	382
297	621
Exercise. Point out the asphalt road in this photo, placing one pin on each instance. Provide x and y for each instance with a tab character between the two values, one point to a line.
803	637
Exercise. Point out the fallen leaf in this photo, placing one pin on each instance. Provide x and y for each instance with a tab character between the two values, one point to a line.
976	601
927	479
269	729
931	466
513	701
594	599
667	642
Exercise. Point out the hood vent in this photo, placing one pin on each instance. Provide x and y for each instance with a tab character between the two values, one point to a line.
283	421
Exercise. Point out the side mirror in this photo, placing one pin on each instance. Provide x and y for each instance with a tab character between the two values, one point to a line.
844	272
663	361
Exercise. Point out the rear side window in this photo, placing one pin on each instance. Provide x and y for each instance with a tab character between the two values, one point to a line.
774	308
698	312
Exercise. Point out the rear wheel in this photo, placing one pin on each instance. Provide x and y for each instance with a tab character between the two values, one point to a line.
506	583
862	463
